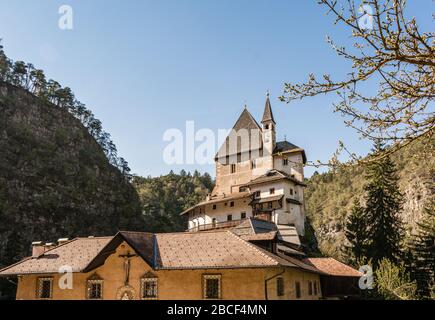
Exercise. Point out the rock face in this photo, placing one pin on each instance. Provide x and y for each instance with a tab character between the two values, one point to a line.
329	196
55	180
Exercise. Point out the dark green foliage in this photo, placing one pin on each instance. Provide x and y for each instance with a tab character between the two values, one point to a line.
422	250
329	196
382	209
165	197
357	234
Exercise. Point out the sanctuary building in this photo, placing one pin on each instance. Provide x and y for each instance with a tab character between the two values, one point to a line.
243	242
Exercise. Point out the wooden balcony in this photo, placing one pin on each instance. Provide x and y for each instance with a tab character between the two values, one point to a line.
216	225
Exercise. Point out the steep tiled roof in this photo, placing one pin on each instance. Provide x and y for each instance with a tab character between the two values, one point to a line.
249	140
332	267
77	253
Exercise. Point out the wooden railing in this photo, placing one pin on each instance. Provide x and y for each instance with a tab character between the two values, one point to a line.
216	225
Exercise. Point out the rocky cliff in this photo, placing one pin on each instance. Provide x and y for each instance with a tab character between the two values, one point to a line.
55	180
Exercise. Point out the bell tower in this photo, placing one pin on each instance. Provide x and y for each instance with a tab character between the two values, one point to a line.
269	130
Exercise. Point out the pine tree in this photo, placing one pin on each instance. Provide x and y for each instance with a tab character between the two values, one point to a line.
383	205
422	248
356	234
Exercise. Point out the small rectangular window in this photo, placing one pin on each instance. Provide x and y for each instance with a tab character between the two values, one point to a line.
229	217
279	286
233	168
285	162
291	192
214	207
45	288
232	204
257	194
149	288
243	215
315	288
310	288
270	205
95	288
212	286
95	291
272	191
254	164
298	289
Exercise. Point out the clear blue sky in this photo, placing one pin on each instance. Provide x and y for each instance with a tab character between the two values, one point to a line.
145	66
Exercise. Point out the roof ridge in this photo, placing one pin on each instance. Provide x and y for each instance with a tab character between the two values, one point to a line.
187	233
58	246
138	232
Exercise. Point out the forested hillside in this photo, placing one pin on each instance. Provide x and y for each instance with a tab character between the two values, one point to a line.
329	196
164	198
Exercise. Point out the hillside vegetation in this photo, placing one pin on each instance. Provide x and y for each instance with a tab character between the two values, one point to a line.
55	179
164	198
329	196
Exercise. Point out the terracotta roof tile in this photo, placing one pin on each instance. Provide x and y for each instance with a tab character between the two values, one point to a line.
333	267
77	253
218	249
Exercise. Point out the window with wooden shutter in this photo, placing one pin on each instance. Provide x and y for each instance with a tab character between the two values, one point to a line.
310	288
298	289
279	286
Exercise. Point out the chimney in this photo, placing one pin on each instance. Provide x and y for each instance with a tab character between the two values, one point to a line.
62	241
37	248
49	246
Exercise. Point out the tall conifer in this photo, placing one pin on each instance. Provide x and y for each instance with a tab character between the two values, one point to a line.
422	248
382	208
356	234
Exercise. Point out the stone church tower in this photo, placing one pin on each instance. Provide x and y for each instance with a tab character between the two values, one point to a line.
257	178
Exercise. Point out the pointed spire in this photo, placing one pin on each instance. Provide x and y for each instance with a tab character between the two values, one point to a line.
267	115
